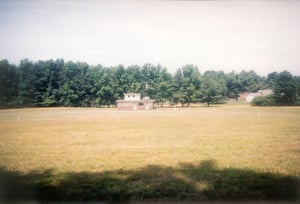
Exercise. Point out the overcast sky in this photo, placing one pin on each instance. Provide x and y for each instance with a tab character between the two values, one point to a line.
214	35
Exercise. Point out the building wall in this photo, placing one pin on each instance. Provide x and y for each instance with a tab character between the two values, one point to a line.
132	96
135	104
250	97
243	96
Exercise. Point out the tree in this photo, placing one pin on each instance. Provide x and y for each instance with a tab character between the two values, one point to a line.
297	83
8	84
106	96
285	90
213	89
120	81
161	86
191	83
178	94
186	84
250	81
48	81
272	79
150	77
56	83
26	78
75	91
134	77
233	85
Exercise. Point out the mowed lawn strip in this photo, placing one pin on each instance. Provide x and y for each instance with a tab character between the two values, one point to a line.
177	153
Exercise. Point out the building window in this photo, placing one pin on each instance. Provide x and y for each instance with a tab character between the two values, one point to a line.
141	104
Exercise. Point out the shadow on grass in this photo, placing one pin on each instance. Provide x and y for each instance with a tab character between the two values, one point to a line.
187	182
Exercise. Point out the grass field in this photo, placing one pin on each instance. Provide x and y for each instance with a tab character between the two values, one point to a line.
225	152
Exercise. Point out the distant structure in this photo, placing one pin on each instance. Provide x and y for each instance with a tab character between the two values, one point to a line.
133	101
264	92
251	96
243	96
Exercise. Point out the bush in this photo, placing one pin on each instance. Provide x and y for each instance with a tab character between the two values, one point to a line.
263	101
297	102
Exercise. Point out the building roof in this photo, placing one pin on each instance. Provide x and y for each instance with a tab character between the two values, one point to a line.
265	92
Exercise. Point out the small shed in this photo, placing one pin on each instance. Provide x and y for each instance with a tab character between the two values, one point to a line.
133	101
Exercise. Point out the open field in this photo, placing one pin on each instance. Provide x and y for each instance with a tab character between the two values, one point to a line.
196	153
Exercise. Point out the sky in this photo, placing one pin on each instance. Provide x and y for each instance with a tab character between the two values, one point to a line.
213	35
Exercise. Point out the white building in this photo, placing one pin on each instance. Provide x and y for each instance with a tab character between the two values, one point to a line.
133	101
263	92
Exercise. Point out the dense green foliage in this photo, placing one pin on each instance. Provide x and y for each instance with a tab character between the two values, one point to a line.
263	101
59	83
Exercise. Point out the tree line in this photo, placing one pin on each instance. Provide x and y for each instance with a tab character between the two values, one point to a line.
78	84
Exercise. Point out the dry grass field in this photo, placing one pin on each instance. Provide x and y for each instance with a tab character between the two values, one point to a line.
149	151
